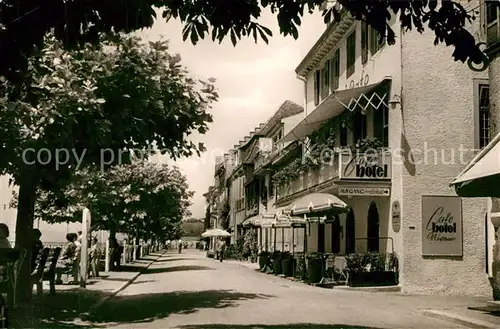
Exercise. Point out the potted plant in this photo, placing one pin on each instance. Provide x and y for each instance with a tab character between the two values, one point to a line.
263	259
372	269
300	268
287	263
315	267
276	259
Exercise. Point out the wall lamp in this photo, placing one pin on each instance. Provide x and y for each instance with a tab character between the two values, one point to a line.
396	99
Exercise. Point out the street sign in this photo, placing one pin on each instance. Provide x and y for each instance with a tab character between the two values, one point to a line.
365	191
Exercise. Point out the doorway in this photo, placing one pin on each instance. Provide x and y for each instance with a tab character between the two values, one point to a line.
321	237
350	233
373	228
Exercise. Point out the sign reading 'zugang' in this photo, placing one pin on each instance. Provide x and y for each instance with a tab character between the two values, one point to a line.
365	166
441	226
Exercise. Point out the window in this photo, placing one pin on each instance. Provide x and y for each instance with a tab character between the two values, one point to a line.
359	123
492	27
484	115
278	136
325	86
364	43
271	188
334	82
381	125
351	54
375	44
317	85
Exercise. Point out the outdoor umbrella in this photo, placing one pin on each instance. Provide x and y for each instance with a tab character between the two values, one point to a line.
216	232
316	202
481	177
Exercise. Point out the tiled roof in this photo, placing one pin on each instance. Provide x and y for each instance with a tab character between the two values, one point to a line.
287	109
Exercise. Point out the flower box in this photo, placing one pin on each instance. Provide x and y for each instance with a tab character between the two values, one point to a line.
372	279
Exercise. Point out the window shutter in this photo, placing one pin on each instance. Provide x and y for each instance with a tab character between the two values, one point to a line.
364	43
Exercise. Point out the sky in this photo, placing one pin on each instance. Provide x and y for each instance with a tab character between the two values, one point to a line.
252	80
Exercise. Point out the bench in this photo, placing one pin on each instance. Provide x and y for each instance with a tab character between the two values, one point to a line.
37	273
49	271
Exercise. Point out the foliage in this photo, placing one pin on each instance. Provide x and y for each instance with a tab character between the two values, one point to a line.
24	23
206	220
366	144
224	214
142	198
372	261
316	256
231	252
250	245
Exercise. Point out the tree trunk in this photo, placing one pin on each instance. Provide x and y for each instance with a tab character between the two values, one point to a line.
24	238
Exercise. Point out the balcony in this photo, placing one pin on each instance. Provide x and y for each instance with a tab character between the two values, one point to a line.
350	172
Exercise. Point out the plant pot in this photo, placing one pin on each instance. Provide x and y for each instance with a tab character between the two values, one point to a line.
288	265
277	270
372	279
315	269
263	260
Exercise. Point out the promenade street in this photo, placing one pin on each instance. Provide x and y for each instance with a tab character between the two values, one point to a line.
190	291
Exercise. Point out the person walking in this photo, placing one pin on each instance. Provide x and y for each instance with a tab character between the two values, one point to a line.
221	249
180	245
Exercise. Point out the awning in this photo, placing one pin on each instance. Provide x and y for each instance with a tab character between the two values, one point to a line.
216	232
332	106
317	202
481	177
251	221
288	221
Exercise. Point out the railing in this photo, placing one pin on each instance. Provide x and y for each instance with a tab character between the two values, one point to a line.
317	178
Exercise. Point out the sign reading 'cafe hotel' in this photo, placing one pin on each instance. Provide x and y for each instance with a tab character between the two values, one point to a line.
441	226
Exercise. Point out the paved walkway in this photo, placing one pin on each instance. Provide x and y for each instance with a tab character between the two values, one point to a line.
191	291
70	301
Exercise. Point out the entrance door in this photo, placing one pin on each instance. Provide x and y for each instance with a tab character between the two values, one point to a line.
321	237
350	233
373	233
335	234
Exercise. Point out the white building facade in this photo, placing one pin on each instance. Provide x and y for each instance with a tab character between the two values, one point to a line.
429	115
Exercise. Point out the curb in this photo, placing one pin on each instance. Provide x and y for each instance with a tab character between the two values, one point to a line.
461	320
123	287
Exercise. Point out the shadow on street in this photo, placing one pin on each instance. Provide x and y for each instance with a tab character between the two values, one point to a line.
171	260
277	326
64	309
149	307
57	311
180	268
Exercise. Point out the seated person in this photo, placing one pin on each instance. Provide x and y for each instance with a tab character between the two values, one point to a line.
94	257
4	236
66	261
37	247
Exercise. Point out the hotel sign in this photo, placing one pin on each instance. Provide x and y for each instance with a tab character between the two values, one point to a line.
365	166
364	191
442	226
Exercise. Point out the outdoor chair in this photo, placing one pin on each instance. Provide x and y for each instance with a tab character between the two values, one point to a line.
341	270
329	270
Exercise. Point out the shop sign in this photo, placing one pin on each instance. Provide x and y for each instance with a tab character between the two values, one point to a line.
364	191
370	165
396	216
442	226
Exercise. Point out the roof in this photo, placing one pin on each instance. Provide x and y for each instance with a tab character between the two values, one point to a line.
287	109
326	42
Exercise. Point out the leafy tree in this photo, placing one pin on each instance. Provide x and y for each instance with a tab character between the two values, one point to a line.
85	107
25	23
141	199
